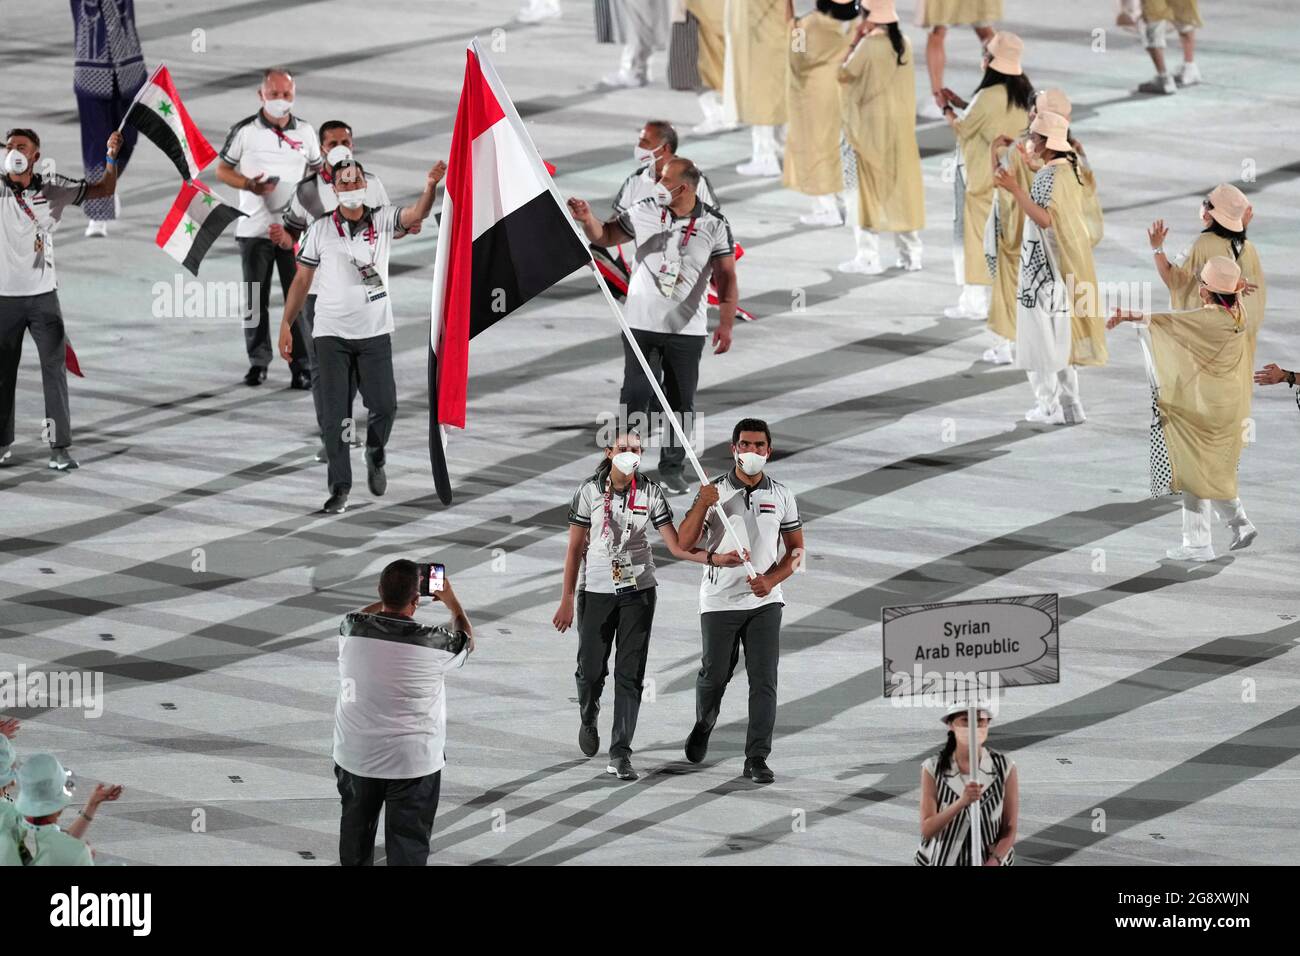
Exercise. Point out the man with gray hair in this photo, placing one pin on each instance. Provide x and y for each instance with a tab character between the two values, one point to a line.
265	157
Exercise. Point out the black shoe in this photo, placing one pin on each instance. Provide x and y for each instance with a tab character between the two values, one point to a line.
256	375
589	739
621	768
60	460
674	482
757	770
376	480
301	381
337	502
697	744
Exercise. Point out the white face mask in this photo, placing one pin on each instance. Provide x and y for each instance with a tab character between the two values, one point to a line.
626	461
277	108
337	155
663	195
643	155
750	462
352	198
15	163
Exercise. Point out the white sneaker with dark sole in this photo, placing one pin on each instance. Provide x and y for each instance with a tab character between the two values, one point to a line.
1199	555
1243	537
1040	417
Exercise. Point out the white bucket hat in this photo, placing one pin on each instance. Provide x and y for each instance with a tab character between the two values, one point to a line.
956	710
1005	51
44	787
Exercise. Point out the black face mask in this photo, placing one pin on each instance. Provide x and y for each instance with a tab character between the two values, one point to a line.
840	11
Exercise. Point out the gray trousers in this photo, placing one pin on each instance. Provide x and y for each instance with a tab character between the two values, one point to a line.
40	315
307	318
409	808
368	363
724	632
260	259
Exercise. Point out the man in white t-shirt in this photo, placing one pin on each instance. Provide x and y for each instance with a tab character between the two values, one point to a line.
265	157
343	260
390	720
736	610
681	243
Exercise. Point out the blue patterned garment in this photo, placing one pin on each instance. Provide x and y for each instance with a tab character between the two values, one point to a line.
107	49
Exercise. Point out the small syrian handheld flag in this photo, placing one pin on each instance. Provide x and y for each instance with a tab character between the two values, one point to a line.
197	217
159	114
505	236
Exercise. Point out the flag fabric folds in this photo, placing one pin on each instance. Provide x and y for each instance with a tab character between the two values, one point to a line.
196	218
158	113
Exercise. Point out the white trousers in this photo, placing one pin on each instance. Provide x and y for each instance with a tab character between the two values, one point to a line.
640	18
1197	513
1056	389
763	139
868	240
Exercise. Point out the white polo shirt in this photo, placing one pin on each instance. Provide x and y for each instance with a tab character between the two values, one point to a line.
335	248
28	218
390	719
255	146
691	242
760	515
624	530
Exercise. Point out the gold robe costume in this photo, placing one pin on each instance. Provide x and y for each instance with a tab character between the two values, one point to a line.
878	102
712	31
949	13
986	119
812	138
757	43
1203	366
1185	280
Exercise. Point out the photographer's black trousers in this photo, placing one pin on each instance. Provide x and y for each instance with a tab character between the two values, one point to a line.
603	619
409	808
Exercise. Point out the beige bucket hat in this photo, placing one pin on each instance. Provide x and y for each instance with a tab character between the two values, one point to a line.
1005	50
1220	274
1055	127
1228	206
881	11
1053	100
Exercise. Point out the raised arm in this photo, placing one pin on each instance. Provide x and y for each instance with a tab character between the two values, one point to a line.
1003	179
413	215
107	184
598	233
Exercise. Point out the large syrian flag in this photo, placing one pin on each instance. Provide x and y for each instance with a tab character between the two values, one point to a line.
505	236
197	217
159	114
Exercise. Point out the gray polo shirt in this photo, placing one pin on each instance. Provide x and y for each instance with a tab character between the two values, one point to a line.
625	529
28	218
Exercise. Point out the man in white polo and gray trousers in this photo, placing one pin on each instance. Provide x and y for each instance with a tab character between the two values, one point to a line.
390	721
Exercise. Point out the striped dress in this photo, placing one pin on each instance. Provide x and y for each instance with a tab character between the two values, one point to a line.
951	847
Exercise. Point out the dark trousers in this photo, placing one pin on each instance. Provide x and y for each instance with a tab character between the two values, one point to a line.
40	315
724	632
260	259
368	362
409	808
675	361
308	322
602	619
100	117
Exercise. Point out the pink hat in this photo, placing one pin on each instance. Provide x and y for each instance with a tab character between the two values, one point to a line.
1228	206
1005	50
881	11
1220	274
1053	101
1054	126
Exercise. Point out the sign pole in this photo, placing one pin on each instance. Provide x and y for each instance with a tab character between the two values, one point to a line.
972	722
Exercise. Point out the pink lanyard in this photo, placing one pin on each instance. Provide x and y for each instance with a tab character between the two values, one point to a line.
609	489
291	143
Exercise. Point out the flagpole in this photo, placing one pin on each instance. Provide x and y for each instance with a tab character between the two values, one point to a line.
729	531
138	93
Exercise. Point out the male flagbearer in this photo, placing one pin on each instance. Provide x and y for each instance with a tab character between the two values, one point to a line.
31	206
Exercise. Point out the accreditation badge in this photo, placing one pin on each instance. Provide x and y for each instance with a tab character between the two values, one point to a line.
372	282
620	566
667	276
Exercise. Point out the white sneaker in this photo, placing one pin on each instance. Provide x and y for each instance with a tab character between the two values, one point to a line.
539	10
97	227
823	217
624	80
1000	354
1191	554
1074	413
1188	75
908	263
863	266
1040	417
1163	83
713	124
957	312
766	165
1242	537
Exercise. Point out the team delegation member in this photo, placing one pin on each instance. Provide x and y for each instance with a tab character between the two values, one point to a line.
813	165
31	207
265	156
878	107
1203	376
1000	107
1159	18
711	29
314	197
681	244
736	610
612	569
344	260
655	148
754	86
948	788
1059	325
390	718
937	16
